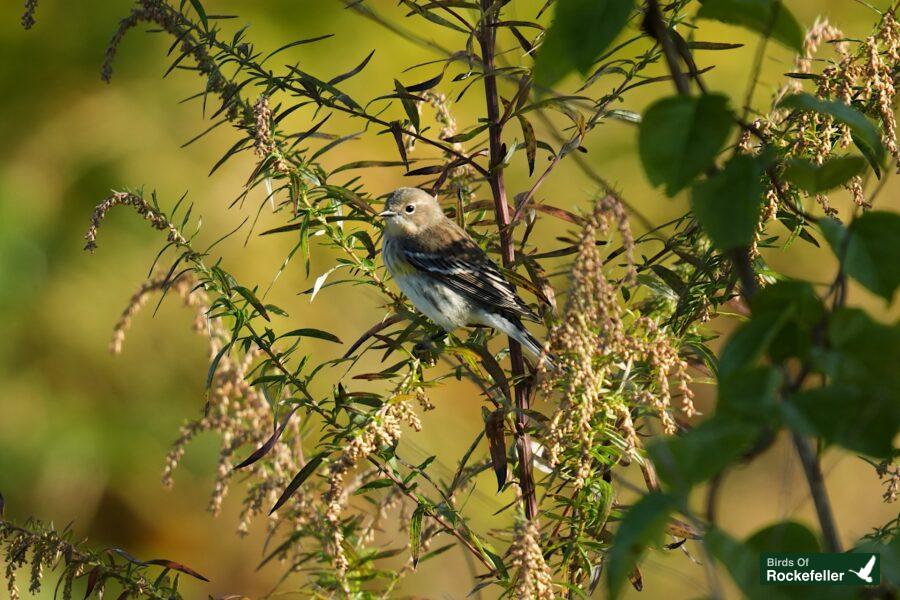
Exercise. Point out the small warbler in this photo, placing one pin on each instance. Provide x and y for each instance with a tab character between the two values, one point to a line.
445	274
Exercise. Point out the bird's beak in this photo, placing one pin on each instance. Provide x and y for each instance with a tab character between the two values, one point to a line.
387	213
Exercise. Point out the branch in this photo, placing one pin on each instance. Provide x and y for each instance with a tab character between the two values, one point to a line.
487	33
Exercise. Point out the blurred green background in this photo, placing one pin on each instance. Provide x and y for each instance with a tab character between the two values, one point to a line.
83	434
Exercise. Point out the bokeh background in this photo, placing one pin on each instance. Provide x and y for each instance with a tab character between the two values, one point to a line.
83	433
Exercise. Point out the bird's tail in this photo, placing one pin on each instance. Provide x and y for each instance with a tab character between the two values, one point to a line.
532	345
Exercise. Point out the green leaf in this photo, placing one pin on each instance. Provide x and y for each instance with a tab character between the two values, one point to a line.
308	469
313	333
749	342
642	526
409	104
767	17
749	395
786	536
530	142
373	485
696	456
869	250
680	137
865	134
251	298
860	408
211	372
580	32
796	297
728	204
415	533
848	416
742	564
816	179
889	549
200	13
784	315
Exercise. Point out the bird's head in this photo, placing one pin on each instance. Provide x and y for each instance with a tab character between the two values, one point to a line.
410	211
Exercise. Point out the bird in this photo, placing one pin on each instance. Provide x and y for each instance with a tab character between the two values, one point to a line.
866	572
446	274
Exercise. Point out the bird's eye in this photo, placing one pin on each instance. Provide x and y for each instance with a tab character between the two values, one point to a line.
410	208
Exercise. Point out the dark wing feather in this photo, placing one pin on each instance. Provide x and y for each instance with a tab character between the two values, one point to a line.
466	269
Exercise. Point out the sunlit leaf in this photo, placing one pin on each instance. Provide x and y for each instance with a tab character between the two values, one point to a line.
816	179
580	32
680	137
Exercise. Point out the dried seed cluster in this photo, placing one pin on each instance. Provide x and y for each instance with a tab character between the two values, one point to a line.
597	342
42	549
159	12
533	578
864	74
384	429
137	202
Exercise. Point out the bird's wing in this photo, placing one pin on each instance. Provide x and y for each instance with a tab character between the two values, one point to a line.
466	269
868	568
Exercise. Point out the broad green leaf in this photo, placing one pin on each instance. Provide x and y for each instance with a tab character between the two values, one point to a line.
728	204
786	536
865	134
783	316
862	350
742	564
816	179
643	525
749	342
889	549
742	560
749	395
803	311
580	32
860	408
869	250
799	297
767	17
680	137
692	458
848	416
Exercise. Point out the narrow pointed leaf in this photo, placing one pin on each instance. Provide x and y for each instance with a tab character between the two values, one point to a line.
269	444
308	469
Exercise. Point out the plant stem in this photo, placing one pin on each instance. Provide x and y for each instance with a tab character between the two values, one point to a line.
487	38
813	471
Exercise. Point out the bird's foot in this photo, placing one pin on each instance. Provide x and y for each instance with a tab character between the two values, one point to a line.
428	349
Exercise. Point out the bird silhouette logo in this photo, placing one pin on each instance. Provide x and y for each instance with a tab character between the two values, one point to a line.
866	572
